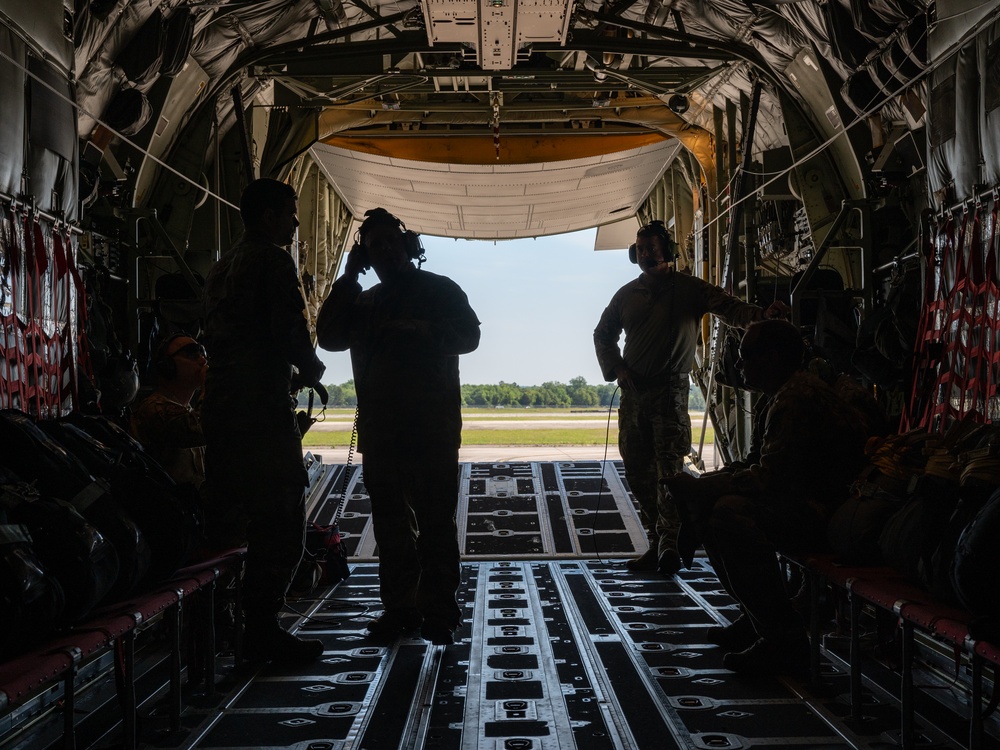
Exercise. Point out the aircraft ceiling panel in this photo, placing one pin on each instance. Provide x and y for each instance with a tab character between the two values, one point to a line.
495	213
442	187
496	190
543	188
481	170
503	201
407	164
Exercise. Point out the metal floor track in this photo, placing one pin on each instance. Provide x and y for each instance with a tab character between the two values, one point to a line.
553	654
560	647
523	510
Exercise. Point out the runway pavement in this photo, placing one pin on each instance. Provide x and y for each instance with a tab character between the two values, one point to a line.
514	420
515	453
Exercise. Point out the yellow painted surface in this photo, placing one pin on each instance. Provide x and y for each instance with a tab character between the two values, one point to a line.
481	149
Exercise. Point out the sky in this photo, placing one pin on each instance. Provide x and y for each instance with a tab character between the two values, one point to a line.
539	301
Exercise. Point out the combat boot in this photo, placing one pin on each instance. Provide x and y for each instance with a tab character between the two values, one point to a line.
668	562
738	635
268	641
437	632
644	563
394	622
787	655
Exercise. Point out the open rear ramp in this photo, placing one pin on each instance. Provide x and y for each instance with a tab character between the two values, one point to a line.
550	654
561	647
509	510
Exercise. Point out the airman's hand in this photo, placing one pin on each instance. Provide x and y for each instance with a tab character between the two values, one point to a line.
624	377
356	261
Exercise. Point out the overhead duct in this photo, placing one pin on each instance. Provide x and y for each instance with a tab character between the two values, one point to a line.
901	59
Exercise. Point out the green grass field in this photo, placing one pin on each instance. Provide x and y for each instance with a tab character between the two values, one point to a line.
542	437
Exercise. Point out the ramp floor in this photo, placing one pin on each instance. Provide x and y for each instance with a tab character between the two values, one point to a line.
561	647
551	654
534	510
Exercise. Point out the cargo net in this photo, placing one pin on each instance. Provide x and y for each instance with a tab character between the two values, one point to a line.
41	305
956	363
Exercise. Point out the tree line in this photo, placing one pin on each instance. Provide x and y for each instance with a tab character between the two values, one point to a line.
578	392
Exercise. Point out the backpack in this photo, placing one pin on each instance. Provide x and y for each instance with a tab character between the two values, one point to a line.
31	600
171	528
37	458
977	556
83	562
326	554
913	534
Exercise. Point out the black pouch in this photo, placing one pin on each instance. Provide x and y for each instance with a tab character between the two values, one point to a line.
31	600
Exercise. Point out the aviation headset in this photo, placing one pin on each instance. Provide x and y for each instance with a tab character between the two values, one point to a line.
411	240
657	229
163	363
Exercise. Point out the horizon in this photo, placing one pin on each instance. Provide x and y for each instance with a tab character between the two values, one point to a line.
555	287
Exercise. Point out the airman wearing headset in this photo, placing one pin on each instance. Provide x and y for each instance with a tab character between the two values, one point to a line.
166	424
405	335
660	313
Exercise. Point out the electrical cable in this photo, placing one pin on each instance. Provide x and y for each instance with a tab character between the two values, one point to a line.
347	613
347	470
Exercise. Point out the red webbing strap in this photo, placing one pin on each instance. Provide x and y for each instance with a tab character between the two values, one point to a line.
7	323
62	294
18	274
81	344
929	329
32	357
46	319
955	376
990	325
52	325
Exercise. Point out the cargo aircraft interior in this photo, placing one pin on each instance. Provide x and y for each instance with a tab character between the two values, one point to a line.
842	156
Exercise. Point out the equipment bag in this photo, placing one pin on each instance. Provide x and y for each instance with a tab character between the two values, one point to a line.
35	457
977	557
171	529
31	600
855	527
74	551
914	532
325	544
128	451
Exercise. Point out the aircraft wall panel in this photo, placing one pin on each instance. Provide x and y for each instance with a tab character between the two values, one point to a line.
52	141
12	79
988	44
42	22
953	136
954	19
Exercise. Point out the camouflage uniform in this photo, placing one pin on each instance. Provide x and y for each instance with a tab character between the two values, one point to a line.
813	448
171	434
255	331
661	320
405	338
